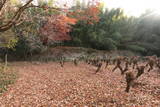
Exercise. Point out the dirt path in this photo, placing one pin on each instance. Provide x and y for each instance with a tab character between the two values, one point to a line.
49	85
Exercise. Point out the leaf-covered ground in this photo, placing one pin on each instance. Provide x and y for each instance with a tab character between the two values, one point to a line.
49	85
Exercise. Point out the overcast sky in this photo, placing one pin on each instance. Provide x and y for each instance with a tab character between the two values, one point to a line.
134	7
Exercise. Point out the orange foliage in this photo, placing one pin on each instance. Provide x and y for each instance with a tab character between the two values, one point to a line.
57	28
70	20
89	15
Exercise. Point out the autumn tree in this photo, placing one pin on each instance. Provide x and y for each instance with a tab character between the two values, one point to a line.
88	14
22	33
57	28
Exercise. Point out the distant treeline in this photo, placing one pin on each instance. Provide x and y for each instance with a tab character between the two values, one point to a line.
115	31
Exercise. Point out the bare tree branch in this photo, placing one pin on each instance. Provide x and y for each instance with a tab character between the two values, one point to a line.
2	3
19	12
14	18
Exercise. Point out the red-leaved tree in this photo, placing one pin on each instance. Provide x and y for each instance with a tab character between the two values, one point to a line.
57	28
90	15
